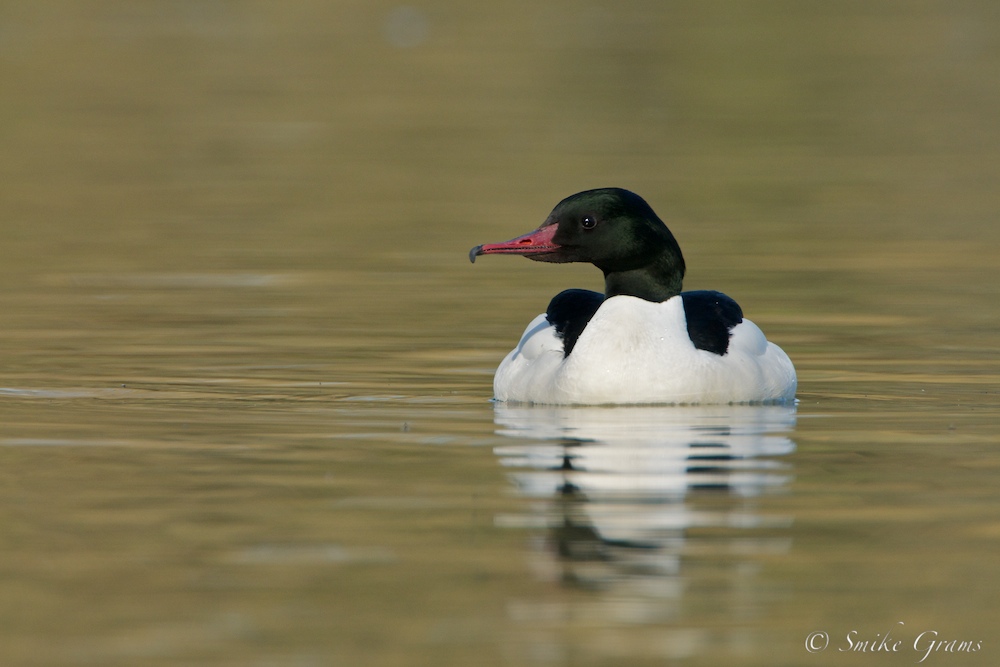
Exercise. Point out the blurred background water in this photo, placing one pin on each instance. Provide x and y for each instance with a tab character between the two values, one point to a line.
245	366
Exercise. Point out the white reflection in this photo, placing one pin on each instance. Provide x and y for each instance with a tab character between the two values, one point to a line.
630	497
646	451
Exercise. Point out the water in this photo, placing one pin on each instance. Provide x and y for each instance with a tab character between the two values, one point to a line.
246	366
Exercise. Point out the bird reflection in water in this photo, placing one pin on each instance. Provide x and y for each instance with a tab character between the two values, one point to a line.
622	488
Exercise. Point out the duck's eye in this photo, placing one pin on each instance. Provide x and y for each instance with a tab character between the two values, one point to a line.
588	222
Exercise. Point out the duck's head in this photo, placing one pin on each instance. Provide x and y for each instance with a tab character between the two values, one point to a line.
613	229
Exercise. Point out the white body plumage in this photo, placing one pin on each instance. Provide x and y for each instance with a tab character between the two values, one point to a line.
635	351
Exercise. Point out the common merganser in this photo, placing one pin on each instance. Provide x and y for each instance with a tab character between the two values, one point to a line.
643	340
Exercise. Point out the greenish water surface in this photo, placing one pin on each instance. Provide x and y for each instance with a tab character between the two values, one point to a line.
245	365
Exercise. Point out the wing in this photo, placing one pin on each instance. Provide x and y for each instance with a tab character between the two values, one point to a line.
569	312
711	317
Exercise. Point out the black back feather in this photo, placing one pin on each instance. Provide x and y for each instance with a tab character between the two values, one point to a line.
570	311
711	316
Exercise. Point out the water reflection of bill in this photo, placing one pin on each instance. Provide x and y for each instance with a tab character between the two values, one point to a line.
621	490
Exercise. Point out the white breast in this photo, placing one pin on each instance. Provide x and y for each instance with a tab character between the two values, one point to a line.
636	351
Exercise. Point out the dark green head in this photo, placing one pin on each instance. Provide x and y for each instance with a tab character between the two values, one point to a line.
616	231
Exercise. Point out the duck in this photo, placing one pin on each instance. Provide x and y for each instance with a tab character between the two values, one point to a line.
643	340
